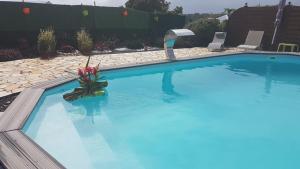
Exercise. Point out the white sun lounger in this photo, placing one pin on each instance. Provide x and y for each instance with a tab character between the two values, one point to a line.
253	40
218	42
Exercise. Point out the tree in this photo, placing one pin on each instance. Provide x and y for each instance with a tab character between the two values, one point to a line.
229	11
204	30
149	5
178	10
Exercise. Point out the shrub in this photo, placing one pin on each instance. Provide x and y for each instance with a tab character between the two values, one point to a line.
223	26
183	43
134	44
67	49
25	48
66	38
84	42
10	54
46	42
158	42
112	42
204	30
101	46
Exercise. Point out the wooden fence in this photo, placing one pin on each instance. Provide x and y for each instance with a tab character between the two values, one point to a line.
262	18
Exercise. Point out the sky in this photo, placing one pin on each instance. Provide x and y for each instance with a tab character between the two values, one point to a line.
189	6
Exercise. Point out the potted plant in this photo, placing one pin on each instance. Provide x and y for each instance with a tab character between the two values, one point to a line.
90	84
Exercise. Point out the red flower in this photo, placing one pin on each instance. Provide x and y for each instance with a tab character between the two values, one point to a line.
89	69
95	71
81	72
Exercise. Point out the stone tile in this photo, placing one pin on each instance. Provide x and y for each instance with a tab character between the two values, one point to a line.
17	90
3	86
12	87
4	93
17	75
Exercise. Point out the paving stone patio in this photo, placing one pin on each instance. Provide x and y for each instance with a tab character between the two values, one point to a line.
17	75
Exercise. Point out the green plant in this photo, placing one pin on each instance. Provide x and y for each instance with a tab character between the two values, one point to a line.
149	5
183	42
204	30
112	42
223	26
134	44
178	10
46	44
229	11
10	54
84	42
157	42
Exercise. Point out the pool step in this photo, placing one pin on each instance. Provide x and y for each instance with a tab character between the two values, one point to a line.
19	152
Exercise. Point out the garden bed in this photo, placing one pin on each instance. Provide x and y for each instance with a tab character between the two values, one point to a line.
10	54
94	52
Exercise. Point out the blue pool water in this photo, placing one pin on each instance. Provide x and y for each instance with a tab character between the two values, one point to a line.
233	112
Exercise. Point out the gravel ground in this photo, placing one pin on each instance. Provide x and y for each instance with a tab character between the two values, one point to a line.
6	101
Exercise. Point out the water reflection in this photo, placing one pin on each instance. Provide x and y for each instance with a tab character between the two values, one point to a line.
168	87
268	82
90	107
272	70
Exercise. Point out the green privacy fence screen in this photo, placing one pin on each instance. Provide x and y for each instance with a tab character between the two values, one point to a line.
67	17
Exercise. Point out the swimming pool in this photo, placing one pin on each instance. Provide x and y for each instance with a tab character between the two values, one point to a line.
231	112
